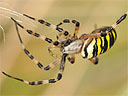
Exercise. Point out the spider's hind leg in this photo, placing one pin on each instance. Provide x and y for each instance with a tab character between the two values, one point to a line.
71	59
94	60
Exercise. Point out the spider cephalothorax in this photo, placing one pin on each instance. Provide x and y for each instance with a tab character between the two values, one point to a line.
89	45
72	47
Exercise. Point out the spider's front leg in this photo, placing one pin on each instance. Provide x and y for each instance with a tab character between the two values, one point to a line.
42	37
41	21
31	56
59	76
50	51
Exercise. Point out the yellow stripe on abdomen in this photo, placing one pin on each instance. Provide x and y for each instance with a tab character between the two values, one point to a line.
99	45
108	40
114	34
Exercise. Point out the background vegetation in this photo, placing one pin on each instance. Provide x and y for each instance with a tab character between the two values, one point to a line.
108	78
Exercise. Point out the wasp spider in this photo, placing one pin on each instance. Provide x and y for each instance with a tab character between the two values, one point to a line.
89	45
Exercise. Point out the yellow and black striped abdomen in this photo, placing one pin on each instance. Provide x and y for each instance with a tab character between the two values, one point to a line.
97	46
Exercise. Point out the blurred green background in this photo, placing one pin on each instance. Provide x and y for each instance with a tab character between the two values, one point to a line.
108	78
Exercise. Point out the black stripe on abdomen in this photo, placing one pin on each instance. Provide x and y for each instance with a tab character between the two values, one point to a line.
86	53
101	45
112	39
105	44
95	48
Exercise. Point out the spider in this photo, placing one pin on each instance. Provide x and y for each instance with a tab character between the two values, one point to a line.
89	45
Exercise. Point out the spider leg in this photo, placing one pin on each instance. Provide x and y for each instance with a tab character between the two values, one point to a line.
60	30
93	35
29	54
77	24
50	51
59	76
123	17
71	59
51	65
96	35
33	33
94	60
120	20
42	37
